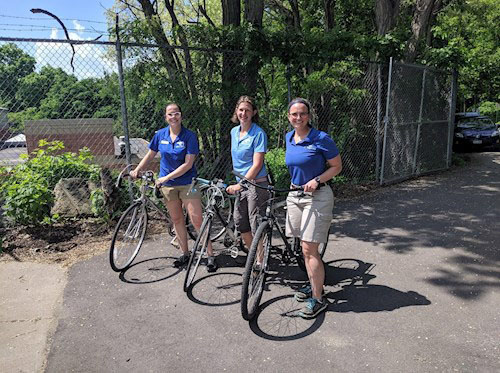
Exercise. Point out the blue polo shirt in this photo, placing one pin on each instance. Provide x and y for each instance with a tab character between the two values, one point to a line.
173	154
242	150
307	158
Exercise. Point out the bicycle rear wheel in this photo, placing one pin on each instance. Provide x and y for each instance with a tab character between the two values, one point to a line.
199	249
254	276
128	237
297	251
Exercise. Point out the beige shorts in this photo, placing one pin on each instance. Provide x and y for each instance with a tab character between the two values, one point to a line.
309	217
179	192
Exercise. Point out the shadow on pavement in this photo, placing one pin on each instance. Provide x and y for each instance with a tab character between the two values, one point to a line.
458	211
150	270
216	289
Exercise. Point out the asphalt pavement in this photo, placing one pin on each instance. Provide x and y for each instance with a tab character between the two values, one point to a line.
412	275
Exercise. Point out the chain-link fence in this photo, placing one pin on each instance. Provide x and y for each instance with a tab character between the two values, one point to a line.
110	98
418	122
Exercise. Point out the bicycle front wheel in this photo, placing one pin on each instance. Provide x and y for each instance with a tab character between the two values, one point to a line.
297	250
254	276
199	249
128	237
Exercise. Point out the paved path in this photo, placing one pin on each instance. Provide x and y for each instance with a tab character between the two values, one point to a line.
413	279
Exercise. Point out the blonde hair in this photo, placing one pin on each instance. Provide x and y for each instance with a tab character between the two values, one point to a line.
250	100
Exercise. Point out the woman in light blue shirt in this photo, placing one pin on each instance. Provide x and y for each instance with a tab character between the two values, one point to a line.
248	148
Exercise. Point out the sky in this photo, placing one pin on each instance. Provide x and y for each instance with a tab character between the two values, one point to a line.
84	20
83	17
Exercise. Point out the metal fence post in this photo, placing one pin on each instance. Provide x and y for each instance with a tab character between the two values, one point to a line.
379	112
386	121
288	83
414	165
128	154
451	115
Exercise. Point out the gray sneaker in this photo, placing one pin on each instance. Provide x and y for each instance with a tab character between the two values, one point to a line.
313	308
303	293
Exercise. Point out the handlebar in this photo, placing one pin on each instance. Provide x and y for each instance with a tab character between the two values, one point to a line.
270	188
216	182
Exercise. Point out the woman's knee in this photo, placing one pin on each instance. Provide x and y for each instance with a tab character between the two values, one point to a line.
310	249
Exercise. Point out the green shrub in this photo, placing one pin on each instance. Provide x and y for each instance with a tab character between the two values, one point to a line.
28	190
275	161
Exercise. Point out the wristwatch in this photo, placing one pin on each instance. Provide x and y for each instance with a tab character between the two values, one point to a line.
317	179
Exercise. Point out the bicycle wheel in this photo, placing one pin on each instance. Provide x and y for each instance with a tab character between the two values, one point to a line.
254	276
297	251
128	237
199	249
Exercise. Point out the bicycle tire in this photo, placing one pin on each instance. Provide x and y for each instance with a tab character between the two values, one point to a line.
297	250
126	245
254	280
199	249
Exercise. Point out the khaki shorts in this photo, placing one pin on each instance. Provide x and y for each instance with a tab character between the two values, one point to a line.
179	192
309	217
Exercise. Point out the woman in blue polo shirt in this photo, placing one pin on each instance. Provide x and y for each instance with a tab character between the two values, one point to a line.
178	147
312	159
248	148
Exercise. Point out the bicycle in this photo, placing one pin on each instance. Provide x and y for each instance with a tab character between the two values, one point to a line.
218	205
130	231
257	265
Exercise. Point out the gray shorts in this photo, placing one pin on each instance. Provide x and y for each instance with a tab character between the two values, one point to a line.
252	205
309	217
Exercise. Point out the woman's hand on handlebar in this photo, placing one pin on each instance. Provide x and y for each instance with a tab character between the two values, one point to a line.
232	189
134	174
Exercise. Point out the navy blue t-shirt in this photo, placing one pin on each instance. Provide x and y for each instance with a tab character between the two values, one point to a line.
173	154
307	159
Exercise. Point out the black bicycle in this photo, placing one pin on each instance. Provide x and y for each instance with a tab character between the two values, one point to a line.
257	264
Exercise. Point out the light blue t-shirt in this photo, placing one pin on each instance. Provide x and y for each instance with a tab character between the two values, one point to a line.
173	154
307	158
242	150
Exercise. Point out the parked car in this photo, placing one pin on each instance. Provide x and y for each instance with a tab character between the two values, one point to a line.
473	130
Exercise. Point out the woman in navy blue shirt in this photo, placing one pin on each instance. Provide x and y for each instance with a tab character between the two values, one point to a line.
312	159
178	147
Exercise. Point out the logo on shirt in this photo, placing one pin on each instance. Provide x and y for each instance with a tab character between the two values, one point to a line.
311	147
246	142
166	142
179	145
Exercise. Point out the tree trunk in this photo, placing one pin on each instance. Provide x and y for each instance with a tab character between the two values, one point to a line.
329	14
386	12
231	11
419	25
253	14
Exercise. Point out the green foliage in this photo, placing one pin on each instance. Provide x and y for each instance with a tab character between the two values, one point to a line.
275	161
490	109
98	205
28	190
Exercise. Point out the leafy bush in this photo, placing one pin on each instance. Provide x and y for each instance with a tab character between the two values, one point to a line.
275	161
28	190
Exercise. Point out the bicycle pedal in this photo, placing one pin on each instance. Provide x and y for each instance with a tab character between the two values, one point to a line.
234	252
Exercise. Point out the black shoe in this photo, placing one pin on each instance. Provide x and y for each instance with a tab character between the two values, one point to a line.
211	264
181	261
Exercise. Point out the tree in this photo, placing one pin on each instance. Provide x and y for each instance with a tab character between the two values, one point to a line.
14	65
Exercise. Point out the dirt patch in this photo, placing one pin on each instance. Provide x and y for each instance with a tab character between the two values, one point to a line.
64	243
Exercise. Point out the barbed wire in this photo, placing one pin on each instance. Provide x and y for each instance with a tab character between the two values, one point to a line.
45	19
43	28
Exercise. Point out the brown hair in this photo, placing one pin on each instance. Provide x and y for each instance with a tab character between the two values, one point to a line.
171	104
250	100
303	101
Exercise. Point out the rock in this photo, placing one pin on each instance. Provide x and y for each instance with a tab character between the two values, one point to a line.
72	198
